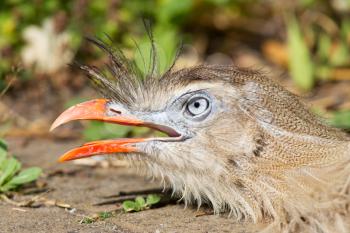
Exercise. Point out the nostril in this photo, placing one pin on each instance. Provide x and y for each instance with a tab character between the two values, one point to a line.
116	111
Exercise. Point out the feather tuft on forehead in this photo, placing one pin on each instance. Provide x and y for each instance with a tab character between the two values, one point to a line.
121	80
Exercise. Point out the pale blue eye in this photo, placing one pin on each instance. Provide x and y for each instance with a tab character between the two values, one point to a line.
197	106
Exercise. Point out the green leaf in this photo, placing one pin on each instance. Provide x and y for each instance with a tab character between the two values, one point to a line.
152	199
26	176
3	145
138	207
7	187
173	9
9	168
140	201
324	47
129	206
166	47
3	154
341	119
300	63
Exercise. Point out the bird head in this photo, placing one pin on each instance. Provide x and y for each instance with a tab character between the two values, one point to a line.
196	108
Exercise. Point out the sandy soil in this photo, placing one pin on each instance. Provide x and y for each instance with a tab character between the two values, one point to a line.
83	186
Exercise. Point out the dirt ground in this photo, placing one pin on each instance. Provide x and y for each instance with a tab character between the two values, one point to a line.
81	187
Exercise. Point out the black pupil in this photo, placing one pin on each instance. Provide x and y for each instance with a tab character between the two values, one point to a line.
197	104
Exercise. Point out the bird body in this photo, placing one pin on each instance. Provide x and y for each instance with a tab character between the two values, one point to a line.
237	140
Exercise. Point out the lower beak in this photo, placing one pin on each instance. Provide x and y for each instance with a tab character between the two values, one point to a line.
102	147
97	110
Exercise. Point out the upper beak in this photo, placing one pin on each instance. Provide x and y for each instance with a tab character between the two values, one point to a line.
93	110
97	110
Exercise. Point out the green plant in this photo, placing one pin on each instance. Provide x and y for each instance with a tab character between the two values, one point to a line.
315	51
104	215
96	217
300	63
140	203
341	119
11	176
87	220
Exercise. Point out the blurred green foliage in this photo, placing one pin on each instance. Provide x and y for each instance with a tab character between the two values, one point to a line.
315	46
99	130
341	119
11	175
300	63
120	20
96	130
319	43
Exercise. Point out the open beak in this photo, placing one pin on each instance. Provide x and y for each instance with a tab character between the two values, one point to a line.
97	110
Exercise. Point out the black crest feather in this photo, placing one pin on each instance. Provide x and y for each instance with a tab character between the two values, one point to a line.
120	79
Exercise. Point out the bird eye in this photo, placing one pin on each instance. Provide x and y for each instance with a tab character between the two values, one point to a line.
197	106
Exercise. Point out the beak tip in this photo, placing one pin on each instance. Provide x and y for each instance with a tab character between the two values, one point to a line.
62	159
52	128
55	124
59	121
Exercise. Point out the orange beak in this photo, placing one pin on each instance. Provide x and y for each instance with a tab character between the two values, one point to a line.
97	110
92	110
